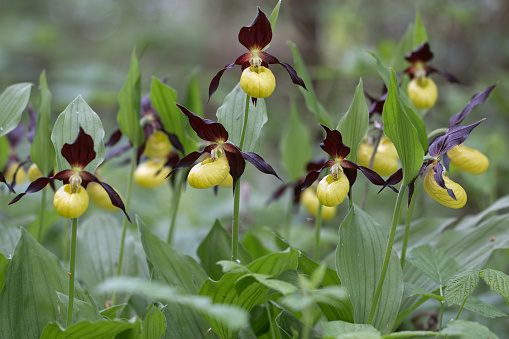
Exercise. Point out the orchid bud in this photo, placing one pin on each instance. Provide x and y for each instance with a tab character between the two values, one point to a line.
151	173
158	145
34	173
384	162
100	197
332	192
209	173
468	160
21	175
258	83
441	195
311	203
70	205
423	92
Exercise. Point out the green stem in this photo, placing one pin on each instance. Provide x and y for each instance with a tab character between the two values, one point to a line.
388	252
408	222
175	203
41	215
442	309
236	196
124	227
269	316
288	220
371	163
459	312
318	227
72	271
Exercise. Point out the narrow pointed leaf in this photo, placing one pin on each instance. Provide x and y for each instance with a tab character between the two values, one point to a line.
13	101
420	35
232	113
274	15
353	126
42	151
81	311
129	100
419	125
309	95
193	98
78	114
405	45
4	263
461	286
359	260
400	130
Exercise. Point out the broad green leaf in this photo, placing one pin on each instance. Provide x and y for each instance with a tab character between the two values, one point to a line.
480	307
434	263
67	127
290	326
193	101
359	260
468	330
353	126
4	263
232	114
154	324
383	71
295	146
422	231
4	151
129	101
9	236
339	328
254	246
164	98
309	96
400	130
461	286
98	248
470	221
418	123
86	330
420	35
497	281
405	45
42	151
13	101
215	247
246	292
81	311
32	280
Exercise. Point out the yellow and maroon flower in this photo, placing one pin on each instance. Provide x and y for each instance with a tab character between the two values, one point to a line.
71	200
257	80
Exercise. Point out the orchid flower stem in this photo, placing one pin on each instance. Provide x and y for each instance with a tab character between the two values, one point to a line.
408	222
175	203
124	228
236	196
288	220
41	216
269	315
72	270
371	163
388	252
318	226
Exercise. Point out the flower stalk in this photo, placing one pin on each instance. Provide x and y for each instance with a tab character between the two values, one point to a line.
41	216
72	270
175	204
318	226
408	222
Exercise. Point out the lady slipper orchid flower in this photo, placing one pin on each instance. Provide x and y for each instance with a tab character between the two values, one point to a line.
71	200
334	187
256	80
422	90
225	158
386	157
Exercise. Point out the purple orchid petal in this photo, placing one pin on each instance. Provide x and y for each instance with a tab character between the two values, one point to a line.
439	179
455	136
477	99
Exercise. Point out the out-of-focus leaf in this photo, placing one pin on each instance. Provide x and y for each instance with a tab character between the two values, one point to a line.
353	126
32	280
480	307
4	263
497	281
216	247
309	96
468	330
384	72
419	125
81	311
405	45
420	35
291	327
399	129
231	115
42	151
193	99
154	324
295	146
254	246
434	263
461	286
129	100
339	328
13	101
67	127
359	260
9	236
4	152
164	98
86	330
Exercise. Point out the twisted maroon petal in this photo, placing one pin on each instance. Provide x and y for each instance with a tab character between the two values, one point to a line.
241	60
260	164
2	179
236	162
206	129
191	158
270	59
477	99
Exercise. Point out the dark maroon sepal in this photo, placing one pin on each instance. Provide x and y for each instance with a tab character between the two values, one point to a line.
254	101
174	140
315	164
333	144
31	123
439	179
394	179
371	175
411	188
270	59
191	158
307	182
422	53
258	34
477	99
236	162
260	164
81	152
351	174
20	165
116	152
114	138
455	136
214	83
206	129
278	193
451	78
35	186
2	179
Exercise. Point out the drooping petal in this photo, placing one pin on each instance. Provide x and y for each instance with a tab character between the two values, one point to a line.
447	75
260	164
477	99
456	135
311	178
333	144
421	54
236	162
270	59
114	138
214	84
206	129
372	176
2	179
35	186
191	158
394	179
80	152
257	35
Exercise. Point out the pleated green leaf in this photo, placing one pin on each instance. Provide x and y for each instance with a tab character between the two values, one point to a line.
497	281
13	101
461	286
232	114
87	330
295	146
29	298
359	260
353	126
67	127
239	290
310	98
164	98
129	101
400	130
42	151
